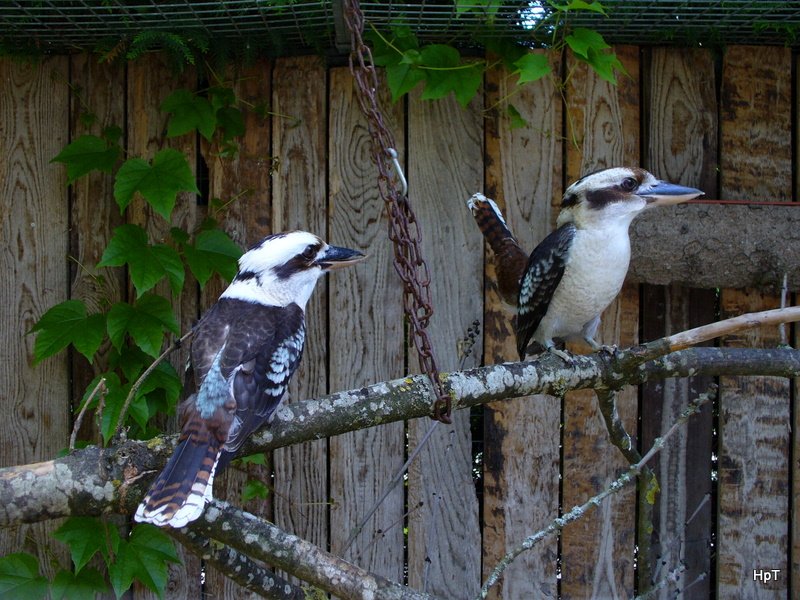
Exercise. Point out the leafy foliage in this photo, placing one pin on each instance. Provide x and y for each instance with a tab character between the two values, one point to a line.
19	577
158	182
441	69
67	323
133	332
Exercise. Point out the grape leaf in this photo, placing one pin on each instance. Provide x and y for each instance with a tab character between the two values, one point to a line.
594	6
77	586
87	153
517	120
232	122
147	263
581	40
158	183
67	323
19	577
189	112
253	488
605	64
402	78
80	534
212	251
144	556
145	322
444	73
532	67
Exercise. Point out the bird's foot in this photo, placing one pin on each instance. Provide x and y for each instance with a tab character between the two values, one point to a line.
563	355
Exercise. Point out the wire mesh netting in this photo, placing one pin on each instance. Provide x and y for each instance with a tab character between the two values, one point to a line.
278	27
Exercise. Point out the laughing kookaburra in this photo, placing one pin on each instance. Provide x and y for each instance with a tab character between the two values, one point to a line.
244	351
575	273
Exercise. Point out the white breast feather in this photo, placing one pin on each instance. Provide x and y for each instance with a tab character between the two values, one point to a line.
593	276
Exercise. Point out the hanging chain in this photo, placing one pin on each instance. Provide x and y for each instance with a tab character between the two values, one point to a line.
404	229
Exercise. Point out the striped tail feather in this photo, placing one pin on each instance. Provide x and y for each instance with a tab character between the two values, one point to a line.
510	258
183	488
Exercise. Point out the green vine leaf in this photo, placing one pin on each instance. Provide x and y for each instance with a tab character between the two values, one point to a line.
606	64
488	8
145	322
159	183
581	40
86	154
532	67
19	577
213	251
444	73
594	6
77	586
144	556
253	488
147	263
517	120
67	323
189	112
80	534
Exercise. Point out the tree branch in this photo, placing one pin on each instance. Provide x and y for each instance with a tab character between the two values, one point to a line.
262	540
239	567
578	511
93	480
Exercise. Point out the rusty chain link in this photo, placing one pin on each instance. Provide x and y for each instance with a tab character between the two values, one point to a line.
404	230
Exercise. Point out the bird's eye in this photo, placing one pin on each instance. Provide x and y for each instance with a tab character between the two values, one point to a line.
629	184
309	253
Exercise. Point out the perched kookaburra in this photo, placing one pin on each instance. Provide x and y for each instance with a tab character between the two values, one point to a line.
244	351
575	273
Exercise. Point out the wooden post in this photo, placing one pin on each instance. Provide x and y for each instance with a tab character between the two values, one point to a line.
756	154
243	183
522	436
150	81
298	202
445	167
366	336
682	148
597	552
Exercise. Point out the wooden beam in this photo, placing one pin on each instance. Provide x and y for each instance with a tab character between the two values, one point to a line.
718	246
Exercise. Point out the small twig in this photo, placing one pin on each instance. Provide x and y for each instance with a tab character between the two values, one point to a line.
784	294
135	387
672	578
393	483
577	512
465	346
99	388
704	333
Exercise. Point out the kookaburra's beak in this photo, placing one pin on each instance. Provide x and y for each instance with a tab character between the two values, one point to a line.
336	257
664	193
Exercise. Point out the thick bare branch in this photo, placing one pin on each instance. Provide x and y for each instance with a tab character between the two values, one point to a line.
94	481
262	540
239	567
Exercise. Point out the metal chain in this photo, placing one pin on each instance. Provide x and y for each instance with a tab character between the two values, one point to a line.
404	229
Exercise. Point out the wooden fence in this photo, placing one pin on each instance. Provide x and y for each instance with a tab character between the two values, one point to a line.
728	482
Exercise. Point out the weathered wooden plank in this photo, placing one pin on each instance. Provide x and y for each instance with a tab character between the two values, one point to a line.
97	102
682	143
794	575
445	167
597	552
242	183
150	81
522	438
299	192
755	158
366	336
34	127
717	245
